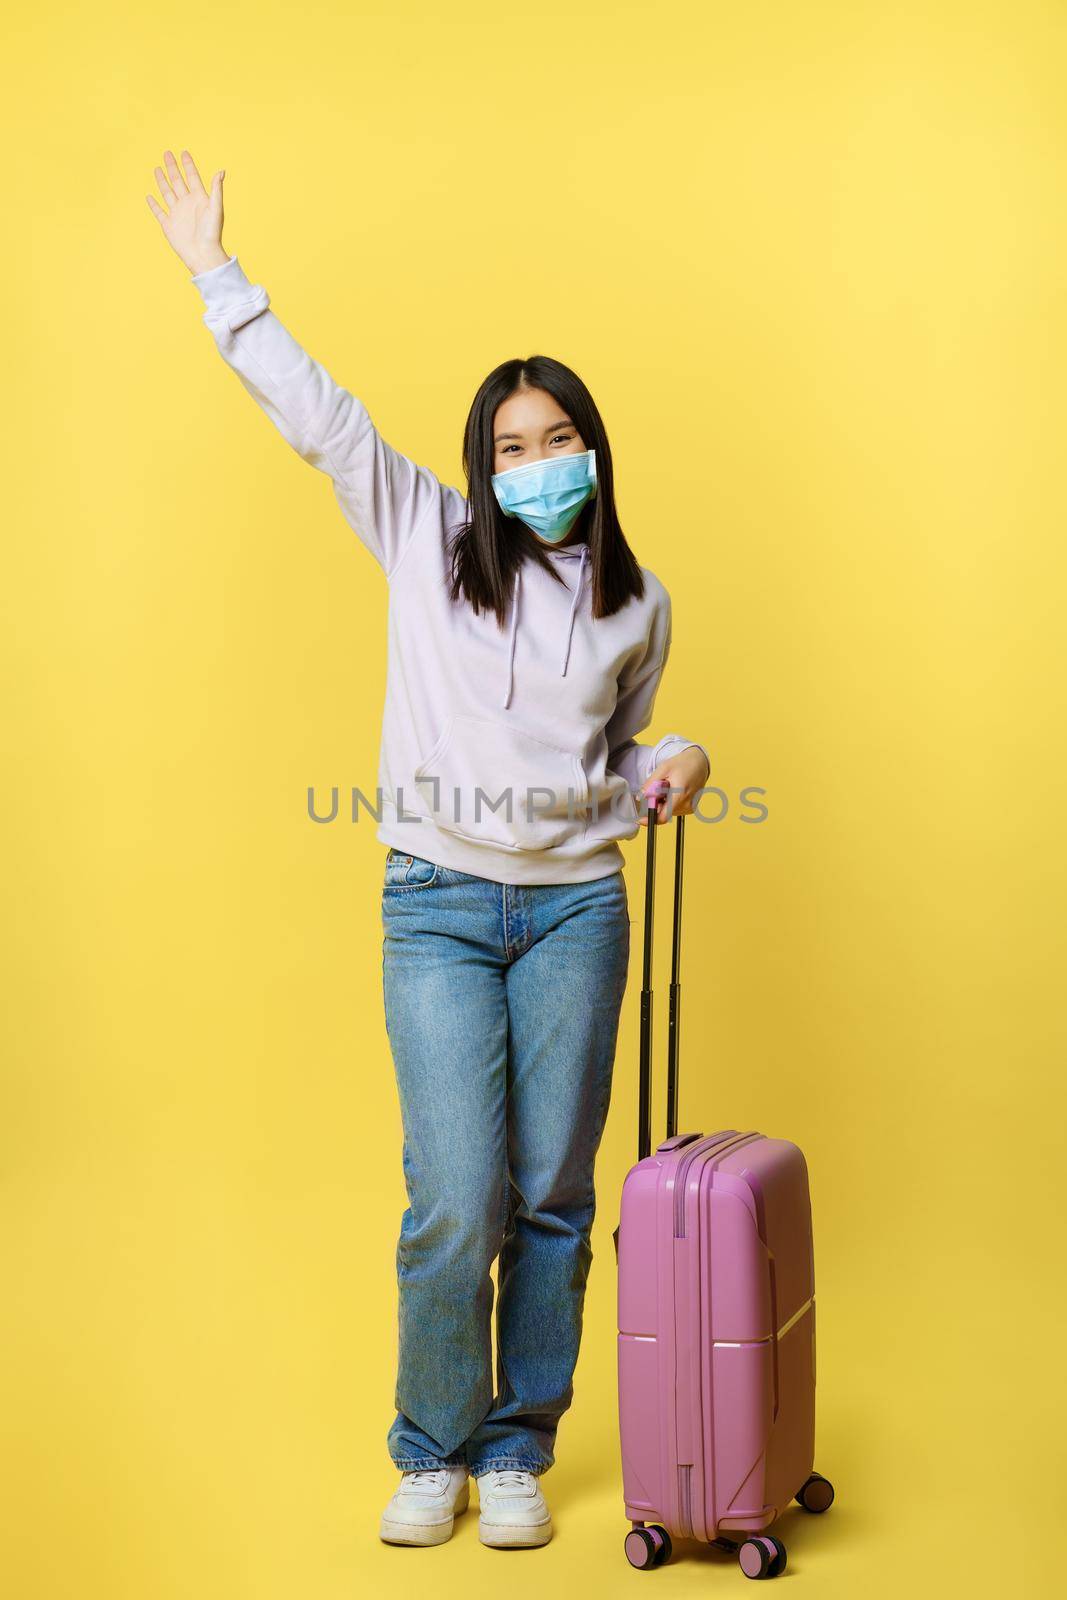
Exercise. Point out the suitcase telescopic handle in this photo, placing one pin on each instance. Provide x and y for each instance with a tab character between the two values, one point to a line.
655	793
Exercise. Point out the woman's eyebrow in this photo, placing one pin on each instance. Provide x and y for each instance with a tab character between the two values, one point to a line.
564	424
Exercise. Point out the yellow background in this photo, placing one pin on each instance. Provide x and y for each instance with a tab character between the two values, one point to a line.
809	259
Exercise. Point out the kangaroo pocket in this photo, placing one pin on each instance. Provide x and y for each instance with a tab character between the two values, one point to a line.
612	810
490	782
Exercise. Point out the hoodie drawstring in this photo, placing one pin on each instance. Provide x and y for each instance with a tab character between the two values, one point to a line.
574	607
511	639
582	555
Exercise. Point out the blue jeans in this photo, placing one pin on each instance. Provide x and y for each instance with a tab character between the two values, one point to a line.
502	1008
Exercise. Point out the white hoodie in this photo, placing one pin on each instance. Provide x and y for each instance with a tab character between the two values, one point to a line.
511	753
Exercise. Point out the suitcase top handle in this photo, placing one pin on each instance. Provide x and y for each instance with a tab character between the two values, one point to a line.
655	793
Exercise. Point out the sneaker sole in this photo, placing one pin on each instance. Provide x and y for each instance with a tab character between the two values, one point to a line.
508	1536
421	1533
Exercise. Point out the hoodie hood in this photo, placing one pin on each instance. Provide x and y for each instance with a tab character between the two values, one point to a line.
576	556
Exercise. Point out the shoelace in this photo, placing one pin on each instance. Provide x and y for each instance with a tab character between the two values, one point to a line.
510	1477
424	1478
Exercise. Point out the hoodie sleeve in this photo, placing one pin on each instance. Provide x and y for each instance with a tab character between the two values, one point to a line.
633	712
382	494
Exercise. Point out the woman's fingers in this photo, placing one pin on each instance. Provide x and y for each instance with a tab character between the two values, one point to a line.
164	187
677	785
655	794
172	184
679	780
174	172
192	175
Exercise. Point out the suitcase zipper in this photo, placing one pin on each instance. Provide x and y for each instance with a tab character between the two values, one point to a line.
718	1142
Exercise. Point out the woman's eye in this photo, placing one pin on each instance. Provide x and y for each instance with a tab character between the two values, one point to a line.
566	437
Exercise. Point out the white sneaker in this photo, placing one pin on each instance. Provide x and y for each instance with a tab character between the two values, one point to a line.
513	1509
423	1508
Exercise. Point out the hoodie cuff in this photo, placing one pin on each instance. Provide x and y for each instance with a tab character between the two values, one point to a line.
229	296
672	744
219	282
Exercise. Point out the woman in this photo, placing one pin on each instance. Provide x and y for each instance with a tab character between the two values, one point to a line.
525	649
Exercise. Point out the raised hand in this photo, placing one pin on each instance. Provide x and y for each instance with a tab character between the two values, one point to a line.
192	216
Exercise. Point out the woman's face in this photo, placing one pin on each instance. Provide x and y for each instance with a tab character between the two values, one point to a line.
529	426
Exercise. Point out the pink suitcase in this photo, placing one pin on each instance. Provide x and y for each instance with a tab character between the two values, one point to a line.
716	1345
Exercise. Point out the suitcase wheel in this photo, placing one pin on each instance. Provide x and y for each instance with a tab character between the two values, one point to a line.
762	1556
817	1494
666	1548
647	1547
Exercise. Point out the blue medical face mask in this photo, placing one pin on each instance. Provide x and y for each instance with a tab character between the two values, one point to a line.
548	495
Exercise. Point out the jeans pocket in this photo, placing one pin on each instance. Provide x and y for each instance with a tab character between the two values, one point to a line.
404	872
